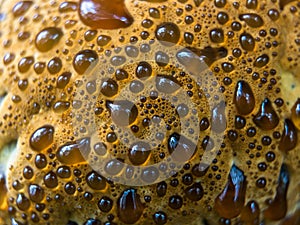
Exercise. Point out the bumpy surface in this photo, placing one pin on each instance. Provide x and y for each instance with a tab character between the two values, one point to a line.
69	71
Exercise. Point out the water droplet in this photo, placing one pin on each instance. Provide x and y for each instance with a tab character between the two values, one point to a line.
194	192
261	61
175	202
21	7
47	38
166	84
266	118
244	98
247	42
85	60
42	138
50	180
109	87
167	33
22	202
73	152
25	64
160	218
230	202
36	193
150	174
96	181
66	7
217	35
130	207
139	152
278	207
123	112
252	20
105	204
104	14
218	118
289	137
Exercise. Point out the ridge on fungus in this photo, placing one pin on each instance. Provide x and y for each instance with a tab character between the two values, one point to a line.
149	112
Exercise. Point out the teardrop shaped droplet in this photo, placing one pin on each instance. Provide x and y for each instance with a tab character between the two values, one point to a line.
289	137
130	208
244	98
218	118
230	202
296	114
266	118
74	152
278	207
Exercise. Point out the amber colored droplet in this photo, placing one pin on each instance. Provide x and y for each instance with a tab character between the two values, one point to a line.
40	161
74	152
50	180
61	106
296	113
217	35
23	202
247	42
63	80
123	112
252	20
47	38
65	7
103	40
266	118
8	58
42	138
244	98
102	14
36	193
261	61
96	181
218	118
130	207
139	152
21	7
109	87
54	65
25	64
289	137
167	33
85	60
251	4
181	148
230	202
194	192
250	213
278	207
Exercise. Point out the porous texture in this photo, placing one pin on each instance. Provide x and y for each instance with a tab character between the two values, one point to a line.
237	62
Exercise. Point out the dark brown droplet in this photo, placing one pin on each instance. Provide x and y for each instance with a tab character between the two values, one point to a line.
36	193
85	60
161	189
252	20
250	213
104	14
54	65
247	42
96	181
63	80
66	7
194	192
175	202
230	202
50	180
217	35
160	218
103	40
21	7
25	63
277	209
167	33
289	137
251	4
61	106
130	207
23	202
63	172
74	152
296	114
109	87
218	118
105	204
40	161
70	188
139	152
8	58
47	38
143	70
181	148
266	118
123	112
261	61
28	172
244	98
42	138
